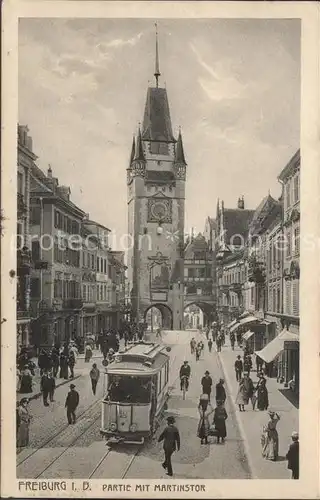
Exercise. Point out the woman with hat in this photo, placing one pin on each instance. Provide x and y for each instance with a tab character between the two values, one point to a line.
219	420
262	393
242	398
171	442
23	418
270	438
205	410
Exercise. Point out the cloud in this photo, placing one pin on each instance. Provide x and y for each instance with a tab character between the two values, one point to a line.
119	42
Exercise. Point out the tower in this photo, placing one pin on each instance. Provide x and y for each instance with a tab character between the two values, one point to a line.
156	177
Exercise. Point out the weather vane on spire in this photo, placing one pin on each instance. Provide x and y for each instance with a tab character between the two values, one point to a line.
157	70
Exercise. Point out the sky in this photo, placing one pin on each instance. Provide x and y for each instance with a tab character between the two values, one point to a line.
233	87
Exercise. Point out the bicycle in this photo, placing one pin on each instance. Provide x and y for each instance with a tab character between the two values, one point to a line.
184	380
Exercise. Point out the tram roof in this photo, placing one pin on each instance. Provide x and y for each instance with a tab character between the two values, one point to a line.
138	358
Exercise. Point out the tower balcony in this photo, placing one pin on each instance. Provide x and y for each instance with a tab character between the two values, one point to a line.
23	261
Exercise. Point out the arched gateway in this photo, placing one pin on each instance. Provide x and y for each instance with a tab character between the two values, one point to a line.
163	319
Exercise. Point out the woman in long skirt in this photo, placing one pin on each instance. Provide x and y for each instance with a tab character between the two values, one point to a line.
205	409
219	419
24	418
26	382
262	394
242	398
270	438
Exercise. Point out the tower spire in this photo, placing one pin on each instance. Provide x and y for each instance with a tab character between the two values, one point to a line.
157	70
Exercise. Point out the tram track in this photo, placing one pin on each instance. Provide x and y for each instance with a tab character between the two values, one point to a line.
62	429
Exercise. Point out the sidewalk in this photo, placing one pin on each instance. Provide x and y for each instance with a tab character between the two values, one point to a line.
80	368
251	422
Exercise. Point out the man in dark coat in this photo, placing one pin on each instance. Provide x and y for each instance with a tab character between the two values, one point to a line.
206	383
72	402
45	387
185	371
220	391
171	442
52	386
71	363
55	361
293	456
238	366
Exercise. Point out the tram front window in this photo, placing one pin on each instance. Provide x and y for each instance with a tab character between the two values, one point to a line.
129	389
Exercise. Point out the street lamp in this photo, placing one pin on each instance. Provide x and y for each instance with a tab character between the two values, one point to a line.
160	229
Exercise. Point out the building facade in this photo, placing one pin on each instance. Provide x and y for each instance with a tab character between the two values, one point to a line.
25	161
55	227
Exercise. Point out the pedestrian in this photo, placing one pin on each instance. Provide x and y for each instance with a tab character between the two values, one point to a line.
239	339
55	361
94	376
63	361
219	342
210	343
24	418
88	353
293	456
220	391
205	410
270	438
171	442
206	383
45	386
26	381
192	345
262	393
71	363
198	352
71	404
242	398
52	386
248	383
247	363
207	332
259	364
238	366
232	340
219	420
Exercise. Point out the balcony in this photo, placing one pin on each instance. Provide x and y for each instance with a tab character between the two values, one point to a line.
197	262
195	278
72	304
23	314
23	261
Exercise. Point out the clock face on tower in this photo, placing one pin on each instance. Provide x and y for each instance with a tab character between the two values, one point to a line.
159	210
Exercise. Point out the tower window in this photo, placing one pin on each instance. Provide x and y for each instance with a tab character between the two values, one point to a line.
159	148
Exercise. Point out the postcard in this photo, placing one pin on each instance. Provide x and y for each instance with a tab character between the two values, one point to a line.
160	242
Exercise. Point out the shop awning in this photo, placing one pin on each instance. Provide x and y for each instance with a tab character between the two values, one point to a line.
276	346
248	335
232	323
244	321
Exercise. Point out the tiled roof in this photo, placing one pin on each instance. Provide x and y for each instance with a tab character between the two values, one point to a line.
198	244
179	156
158	176
236	221
156	121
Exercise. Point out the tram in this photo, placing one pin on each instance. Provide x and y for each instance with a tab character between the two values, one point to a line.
136	393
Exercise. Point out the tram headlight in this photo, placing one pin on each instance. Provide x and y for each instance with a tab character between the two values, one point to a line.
133	428
113	427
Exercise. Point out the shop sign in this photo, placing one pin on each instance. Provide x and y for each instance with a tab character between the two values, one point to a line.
291	345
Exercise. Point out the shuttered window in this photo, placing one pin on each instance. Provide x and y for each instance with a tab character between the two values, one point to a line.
295	297
287	304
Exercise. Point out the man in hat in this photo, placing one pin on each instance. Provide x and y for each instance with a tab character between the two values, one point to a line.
206	383
293	456
185	372
171	442
220	392
238	366
72	402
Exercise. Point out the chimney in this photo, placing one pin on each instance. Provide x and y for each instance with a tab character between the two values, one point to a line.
241	203
50	172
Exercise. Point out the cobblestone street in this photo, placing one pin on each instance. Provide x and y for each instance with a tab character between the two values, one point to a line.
80	452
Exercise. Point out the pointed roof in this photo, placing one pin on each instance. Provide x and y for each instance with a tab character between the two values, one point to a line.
236	222
157	68
179	156
198	244
139	154
157	121
133	149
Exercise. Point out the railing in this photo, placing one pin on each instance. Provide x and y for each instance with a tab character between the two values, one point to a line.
21	206
23	261
197	278
21	314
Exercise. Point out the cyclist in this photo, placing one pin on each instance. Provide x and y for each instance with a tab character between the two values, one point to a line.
185	372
